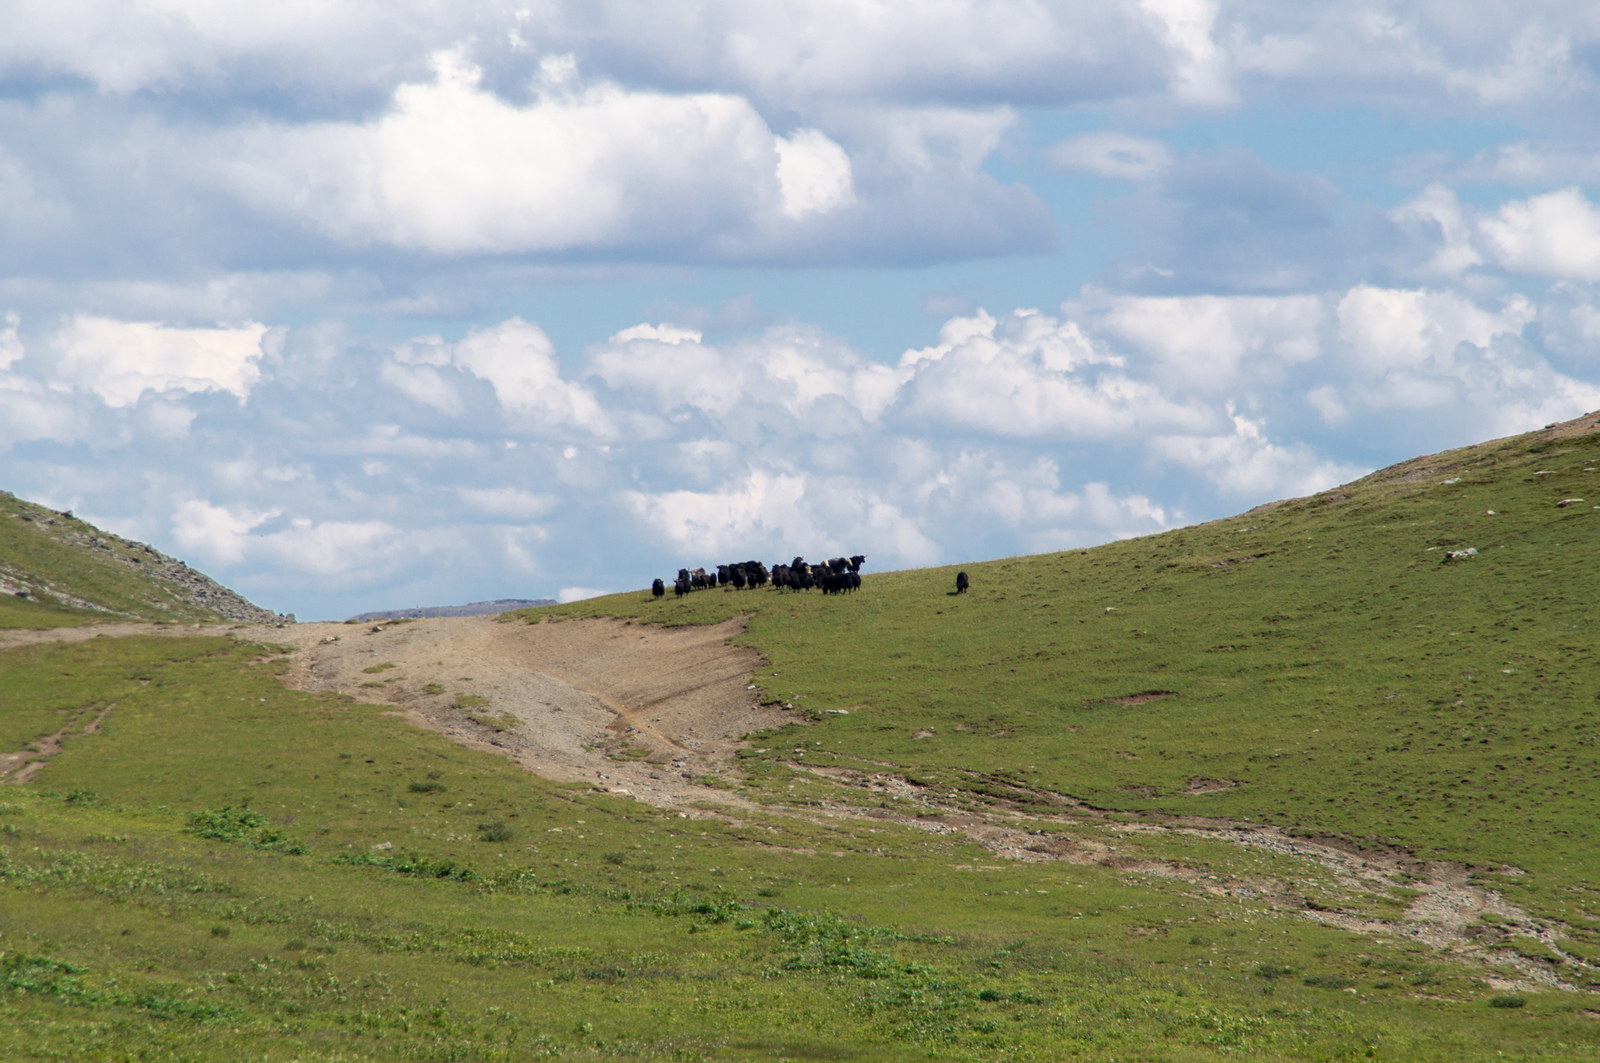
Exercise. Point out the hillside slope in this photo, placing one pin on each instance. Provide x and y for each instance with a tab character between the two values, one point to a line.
1316	663
56	569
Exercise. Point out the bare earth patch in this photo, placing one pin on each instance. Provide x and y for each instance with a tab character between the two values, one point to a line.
633	708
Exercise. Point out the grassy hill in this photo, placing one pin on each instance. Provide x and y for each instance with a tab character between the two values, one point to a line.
1320	656
227	869
58	570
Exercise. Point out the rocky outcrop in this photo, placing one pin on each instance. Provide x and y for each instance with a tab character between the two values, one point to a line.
172	584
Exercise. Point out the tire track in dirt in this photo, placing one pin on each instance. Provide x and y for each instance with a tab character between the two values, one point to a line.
20	766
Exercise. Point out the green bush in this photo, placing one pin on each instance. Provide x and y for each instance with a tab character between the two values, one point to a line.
496	831
1328	981
1506	1002
426	787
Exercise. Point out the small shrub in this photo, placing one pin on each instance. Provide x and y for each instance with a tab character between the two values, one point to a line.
1328	981
990	995
220	931
376	668
82	797
1507	1002
470	701
232	824
1269	972
433	688
429	787
616	858
9	808
228	824
497	831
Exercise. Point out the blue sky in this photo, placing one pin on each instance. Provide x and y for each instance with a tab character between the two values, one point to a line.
360	306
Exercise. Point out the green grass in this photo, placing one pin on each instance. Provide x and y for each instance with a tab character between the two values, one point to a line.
231	870
47	551
1342	677
505	914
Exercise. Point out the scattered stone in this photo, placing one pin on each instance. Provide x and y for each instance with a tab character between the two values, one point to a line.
1568	502
1460	555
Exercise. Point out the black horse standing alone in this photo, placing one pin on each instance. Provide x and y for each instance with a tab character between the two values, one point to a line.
961	583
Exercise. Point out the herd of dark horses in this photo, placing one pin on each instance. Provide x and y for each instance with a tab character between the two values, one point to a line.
837	576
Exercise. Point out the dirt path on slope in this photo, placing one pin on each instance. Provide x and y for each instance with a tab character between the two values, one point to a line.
639	709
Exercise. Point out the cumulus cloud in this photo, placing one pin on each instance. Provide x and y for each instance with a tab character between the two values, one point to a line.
774	513
1444	227
1244	463
348	551
813	174
1033	375
520	361
121	360
1389	329
787	373
450	167
1553	235
1204	339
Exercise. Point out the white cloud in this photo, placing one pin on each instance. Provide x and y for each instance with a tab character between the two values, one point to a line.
1396	328
425	384
120	360
662	333
578	594
764	511
813	174
788	368
30	411
1108	154
1032	375
520	361
1200	74
347	551
1205	339
217	533
1438	207
1553	235
452	168
1246	464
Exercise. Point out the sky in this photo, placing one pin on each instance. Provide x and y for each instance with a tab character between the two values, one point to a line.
358	305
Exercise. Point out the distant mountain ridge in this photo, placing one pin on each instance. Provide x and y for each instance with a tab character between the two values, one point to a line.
499	605
52	560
